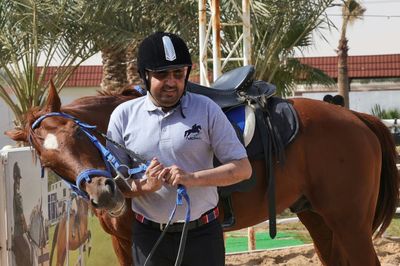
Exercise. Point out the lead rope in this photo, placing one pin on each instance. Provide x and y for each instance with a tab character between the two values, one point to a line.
181	193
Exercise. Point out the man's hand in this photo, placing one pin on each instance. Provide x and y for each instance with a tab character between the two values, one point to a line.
155	174
177	176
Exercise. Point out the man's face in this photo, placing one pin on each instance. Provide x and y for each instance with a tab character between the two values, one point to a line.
167	87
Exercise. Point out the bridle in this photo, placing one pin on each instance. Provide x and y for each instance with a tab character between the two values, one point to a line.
112	162
109	159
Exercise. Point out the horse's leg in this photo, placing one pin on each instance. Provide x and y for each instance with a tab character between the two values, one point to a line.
350	215
356	243
325	245
123	250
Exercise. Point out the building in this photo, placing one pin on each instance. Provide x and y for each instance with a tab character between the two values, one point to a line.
58	194
375	80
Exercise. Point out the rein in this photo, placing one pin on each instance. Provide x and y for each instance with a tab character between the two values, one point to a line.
112	162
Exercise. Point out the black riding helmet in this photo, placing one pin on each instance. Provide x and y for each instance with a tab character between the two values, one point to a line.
163	51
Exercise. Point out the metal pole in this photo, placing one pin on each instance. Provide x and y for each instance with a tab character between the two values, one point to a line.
203	43
246	32
216	26
68	204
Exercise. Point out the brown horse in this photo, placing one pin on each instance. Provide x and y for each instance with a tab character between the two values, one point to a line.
78	233
342	162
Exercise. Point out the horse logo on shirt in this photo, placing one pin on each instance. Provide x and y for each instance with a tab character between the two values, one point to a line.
193	133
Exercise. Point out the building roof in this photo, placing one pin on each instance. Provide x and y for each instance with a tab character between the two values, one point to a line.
363	66
83	76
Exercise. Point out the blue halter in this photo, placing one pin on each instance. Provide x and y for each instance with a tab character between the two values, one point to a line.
109	159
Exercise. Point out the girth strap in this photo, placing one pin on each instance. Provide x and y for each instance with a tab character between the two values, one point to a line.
265	127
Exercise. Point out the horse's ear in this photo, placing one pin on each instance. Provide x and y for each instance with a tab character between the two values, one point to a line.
53	103
17	134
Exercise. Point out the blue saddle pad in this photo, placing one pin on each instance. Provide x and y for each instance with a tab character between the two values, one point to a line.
236	116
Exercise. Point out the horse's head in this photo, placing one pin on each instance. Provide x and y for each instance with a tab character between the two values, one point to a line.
62	145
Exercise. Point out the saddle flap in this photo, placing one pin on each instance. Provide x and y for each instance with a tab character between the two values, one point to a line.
284	119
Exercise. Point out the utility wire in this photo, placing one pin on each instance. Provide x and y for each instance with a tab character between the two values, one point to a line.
381	2
373	16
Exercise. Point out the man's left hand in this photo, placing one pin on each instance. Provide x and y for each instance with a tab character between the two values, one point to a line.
177	176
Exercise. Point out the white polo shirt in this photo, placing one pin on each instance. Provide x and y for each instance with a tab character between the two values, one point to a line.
189	143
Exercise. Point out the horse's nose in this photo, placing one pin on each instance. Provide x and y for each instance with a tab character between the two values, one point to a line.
110	185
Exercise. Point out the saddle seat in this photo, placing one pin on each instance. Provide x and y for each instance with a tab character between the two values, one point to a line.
234	87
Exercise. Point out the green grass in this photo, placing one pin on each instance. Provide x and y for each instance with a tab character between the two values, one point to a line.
394	227
235	243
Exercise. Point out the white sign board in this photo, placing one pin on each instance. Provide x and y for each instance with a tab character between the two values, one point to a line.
23	209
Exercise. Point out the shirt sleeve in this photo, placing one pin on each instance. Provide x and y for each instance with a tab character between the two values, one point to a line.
115	132
224	141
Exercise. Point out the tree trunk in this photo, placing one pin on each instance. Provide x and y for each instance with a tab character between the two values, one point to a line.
343	74
114	70
131	67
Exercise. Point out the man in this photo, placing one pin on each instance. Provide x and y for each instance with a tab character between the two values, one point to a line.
21	244
180	132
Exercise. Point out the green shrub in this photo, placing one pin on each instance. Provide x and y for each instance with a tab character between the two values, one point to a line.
390	113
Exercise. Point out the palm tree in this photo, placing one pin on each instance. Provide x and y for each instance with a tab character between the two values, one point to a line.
279	28
31	31
65	33
150	16
41	33
119	26
351	11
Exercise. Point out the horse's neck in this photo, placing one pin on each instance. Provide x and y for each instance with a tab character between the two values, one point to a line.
94	112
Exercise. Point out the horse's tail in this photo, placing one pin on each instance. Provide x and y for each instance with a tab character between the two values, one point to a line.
53	243
389	181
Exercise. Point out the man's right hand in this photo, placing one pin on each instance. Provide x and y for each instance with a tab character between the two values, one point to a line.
155	173
153	181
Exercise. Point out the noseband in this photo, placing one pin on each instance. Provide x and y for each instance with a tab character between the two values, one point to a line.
109	159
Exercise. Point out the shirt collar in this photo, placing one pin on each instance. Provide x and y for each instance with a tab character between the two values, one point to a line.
151	107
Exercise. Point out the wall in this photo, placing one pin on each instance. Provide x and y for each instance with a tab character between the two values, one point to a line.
363	94
363	101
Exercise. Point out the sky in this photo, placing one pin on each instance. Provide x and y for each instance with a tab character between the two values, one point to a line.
377	33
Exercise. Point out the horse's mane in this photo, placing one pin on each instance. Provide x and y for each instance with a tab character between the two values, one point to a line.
125	91
102	98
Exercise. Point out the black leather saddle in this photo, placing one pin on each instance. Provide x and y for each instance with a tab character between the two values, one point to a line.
234	87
